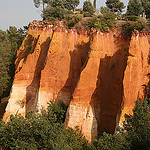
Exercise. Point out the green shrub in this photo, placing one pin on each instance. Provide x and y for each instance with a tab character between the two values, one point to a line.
92	21
52	13
111	142
137	126
41	131
29	47
88	7
71	21
5	62
87	14
131	18
129	27
104	22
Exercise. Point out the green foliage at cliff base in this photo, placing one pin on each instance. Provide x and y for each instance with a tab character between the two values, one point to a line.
46	131
40	131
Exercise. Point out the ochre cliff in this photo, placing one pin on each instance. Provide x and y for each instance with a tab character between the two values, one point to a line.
98	75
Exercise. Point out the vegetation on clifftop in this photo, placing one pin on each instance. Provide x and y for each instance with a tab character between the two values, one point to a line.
104	18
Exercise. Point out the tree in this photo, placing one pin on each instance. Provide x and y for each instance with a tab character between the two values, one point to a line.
134	8
59	9
52	13
139	7
56	9
111	142
146	7
5	61
147	10
10	41
115	5
138	126
57	3
41	131
88	7
71	4
129	27
16	37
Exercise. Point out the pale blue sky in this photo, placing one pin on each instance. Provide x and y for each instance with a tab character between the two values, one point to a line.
20	12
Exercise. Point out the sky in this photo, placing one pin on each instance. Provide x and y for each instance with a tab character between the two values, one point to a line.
20	12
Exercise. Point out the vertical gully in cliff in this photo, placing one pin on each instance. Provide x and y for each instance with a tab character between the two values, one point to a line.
24	54
79	58
32	90
107	98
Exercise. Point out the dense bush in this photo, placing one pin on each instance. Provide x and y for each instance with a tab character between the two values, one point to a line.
131	18
5	62
46	131
88	7
71	21
129	27
40	131
137	126
111	142
10	41
52	13
58	9
104	22
87	14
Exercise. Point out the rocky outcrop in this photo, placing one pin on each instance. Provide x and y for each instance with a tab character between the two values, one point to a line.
137	73
98	75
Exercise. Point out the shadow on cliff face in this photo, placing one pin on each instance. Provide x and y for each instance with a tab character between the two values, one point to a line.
107	98
148	59
29	47
147	87
79	58
32	90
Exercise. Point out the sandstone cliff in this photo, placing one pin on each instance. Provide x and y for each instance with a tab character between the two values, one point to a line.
98	75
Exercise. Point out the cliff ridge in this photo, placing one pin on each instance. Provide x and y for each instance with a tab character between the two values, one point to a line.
98	75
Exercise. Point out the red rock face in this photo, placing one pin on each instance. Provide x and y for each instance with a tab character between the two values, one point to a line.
97	99
137	72
99	75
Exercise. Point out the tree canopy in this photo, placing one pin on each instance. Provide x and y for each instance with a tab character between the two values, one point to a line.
134	8
71	4
88	7
10	41
41	131
5	61
16	37
45	130
139	7
58	9
115	5
138	126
